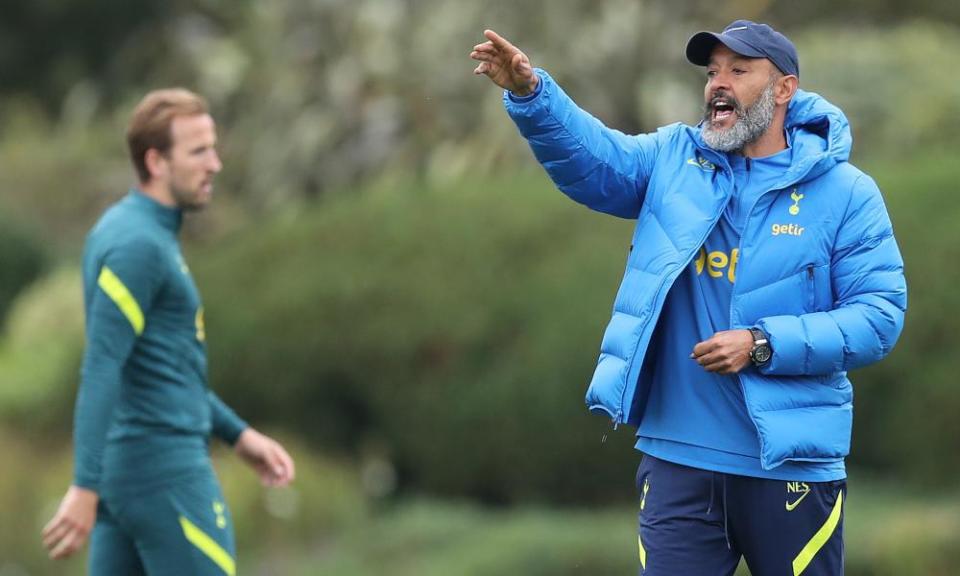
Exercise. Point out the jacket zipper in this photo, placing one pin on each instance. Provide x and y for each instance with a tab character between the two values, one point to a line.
811	289
620	411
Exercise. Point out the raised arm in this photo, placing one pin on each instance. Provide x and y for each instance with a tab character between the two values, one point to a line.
597	166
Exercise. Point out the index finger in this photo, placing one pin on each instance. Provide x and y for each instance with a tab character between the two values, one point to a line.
499	41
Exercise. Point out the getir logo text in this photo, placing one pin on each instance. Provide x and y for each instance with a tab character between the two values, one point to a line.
717	263
788	229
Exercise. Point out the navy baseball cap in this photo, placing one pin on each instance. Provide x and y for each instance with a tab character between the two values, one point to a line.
747	39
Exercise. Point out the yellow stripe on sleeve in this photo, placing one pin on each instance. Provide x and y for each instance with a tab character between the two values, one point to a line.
114	288
208	546
806	555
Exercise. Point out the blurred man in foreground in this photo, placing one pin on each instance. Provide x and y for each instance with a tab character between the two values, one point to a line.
762	267
144	413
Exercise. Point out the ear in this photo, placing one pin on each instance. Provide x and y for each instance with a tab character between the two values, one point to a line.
156	163
785	89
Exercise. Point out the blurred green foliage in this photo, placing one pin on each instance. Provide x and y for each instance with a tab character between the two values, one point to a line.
22	261
327	500
318	97
40	355
395	288
426	538
435	324
905	417
460	323
328	525
440	324
913	536
56	37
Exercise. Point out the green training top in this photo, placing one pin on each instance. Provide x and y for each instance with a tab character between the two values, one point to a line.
144	375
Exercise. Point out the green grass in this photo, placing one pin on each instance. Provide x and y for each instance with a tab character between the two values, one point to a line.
427	538
888	532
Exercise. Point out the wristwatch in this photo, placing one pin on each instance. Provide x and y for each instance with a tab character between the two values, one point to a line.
761	352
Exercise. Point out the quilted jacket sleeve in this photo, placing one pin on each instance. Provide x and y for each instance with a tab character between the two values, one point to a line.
597	166
870	298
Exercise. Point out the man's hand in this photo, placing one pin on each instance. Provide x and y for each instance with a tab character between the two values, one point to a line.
266	456
504	64
70	527
727	352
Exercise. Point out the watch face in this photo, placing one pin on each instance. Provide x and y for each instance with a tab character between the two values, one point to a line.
761	354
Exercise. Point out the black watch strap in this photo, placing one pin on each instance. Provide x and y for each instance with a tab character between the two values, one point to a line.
759	336
761	352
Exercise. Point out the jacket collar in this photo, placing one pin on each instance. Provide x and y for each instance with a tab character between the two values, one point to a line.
817	130
169	218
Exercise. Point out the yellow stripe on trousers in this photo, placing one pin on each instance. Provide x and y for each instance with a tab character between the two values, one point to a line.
122	297
806	555
643	553
208	546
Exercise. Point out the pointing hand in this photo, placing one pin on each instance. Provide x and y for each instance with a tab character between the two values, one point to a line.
504	64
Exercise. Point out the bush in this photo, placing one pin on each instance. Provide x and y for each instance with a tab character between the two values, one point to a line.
22	261
906	406
33	478
887	532
326	498
40	354
451	330
435	539
456	327
325	501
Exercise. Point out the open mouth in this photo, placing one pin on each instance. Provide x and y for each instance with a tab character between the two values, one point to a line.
721	109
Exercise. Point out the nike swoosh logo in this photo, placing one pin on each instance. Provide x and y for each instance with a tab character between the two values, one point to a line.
796	503
707	167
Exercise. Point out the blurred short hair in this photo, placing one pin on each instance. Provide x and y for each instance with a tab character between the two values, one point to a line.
150	124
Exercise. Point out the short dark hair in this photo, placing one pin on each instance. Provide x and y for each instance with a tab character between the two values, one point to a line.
151	120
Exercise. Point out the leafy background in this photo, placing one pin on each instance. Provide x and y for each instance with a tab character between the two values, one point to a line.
395	289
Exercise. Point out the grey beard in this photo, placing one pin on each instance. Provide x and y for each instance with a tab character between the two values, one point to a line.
751	123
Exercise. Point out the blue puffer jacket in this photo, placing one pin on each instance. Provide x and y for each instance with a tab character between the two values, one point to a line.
819	269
